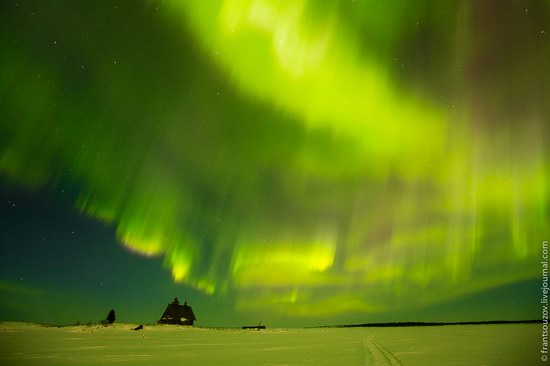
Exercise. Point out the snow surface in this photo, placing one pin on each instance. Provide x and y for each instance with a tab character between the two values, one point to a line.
31	344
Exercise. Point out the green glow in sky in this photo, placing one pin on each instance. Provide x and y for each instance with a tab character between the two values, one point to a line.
306	158
308	64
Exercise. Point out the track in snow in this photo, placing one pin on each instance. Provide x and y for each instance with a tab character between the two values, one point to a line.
377	355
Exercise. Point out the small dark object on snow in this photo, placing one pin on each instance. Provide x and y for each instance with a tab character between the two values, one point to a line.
138	327
257	327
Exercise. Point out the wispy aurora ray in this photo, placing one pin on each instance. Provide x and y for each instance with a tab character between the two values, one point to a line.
301	157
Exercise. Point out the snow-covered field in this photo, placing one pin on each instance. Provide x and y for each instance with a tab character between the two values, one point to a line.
29	344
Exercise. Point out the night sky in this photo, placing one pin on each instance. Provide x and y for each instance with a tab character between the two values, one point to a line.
291	162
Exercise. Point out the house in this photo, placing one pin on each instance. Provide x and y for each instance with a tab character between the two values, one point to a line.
177	314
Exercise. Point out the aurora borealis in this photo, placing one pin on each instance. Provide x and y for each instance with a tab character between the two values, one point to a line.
303	161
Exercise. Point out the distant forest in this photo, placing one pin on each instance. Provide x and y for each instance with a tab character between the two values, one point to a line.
425	324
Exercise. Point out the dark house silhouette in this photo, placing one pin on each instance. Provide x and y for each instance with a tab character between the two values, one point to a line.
177	314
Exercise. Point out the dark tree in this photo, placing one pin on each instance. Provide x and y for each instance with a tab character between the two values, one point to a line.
111	317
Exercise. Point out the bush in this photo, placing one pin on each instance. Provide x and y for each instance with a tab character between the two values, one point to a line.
111	317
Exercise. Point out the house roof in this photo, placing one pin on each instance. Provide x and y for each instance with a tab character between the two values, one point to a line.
176	311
